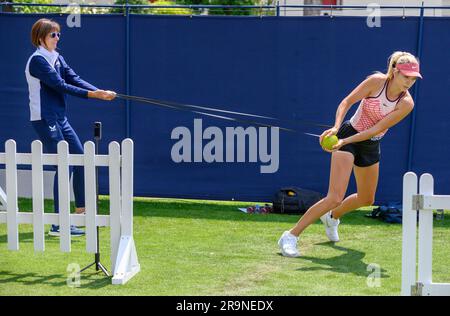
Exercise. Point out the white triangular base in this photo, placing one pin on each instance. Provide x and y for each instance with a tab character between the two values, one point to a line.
2	200
127	264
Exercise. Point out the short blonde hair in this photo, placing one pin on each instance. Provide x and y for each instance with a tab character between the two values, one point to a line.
41	28
399	58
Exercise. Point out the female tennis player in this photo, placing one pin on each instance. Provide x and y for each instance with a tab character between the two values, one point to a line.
385	101
49	80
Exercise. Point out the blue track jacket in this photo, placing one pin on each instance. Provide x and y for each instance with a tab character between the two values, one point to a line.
49	80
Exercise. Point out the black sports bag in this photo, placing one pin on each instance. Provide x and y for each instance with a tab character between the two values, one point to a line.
293	200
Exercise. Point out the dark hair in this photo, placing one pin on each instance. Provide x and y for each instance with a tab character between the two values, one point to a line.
41	28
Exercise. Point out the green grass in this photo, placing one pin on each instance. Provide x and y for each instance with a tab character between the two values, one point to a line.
188	247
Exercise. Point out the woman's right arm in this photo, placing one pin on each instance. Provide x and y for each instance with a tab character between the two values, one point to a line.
363	90
102	94
41	69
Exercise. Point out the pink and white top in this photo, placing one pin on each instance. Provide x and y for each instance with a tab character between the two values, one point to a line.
371	110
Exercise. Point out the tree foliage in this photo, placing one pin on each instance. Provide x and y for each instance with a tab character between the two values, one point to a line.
68	9
232	11
173	11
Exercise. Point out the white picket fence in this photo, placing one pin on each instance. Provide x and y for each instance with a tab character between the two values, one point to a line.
417	280
124	261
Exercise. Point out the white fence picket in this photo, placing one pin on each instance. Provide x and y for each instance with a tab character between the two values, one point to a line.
11	195
425	251
409	220
127	187
90	197
114	199
37	179
64	196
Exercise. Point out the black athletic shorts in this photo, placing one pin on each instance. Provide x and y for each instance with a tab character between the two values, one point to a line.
366	153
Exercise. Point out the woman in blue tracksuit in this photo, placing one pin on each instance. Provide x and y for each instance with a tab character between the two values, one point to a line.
49	80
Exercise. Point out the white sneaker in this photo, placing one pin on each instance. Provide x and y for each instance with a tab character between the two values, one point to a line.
331	226
288	245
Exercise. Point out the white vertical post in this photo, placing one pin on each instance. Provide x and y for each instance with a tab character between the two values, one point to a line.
37	176
426	185
127	264
64	195
11	195
127	187
114	199
90	196
409	220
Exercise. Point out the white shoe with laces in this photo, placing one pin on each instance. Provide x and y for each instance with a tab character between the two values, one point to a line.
331	226
288	245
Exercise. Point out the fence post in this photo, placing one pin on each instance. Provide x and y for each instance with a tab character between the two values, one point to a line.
127	187
409	222
127	264
64	195
425	251
90	188
11	195
114	199
37	179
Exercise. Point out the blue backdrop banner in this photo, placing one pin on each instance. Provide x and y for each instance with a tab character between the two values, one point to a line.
290	68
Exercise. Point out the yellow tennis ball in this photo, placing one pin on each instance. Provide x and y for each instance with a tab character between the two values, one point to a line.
329	142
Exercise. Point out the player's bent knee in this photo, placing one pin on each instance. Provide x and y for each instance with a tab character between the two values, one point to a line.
333	200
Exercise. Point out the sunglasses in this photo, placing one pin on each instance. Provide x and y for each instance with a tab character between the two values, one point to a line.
55	34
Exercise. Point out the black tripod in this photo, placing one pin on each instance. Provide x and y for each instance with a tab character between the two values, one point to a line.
98	265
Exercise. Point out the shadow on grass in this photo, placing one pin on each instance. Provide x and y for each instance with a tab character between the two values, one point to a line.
50	279
90	281
348	262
